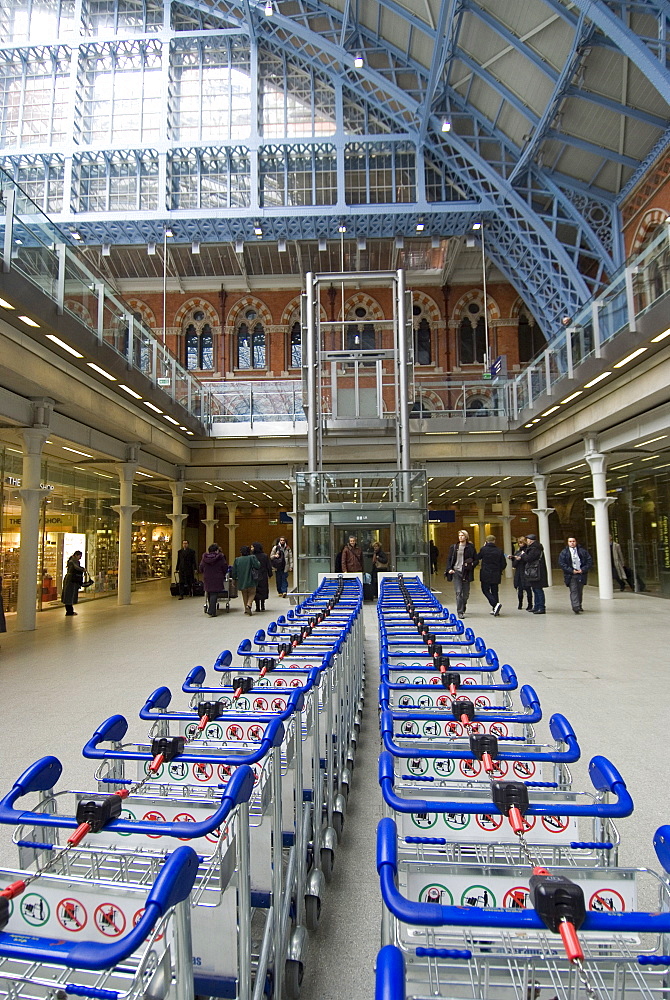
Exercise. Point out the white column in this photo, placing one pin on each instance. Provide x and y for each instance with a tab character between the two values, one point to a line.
600	502
210	521
31	498
232	528
507	519
481	521
543	511
177	518
125	508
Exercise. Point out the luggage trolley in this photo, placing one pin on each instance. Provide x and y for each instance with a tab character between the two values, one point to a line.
94	937
223	597
566	933
199	770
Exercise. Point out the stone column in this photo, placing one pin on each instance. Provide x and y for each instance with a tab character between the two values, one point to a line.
210	521
543	511
31	498
600	502
125	509
177	518
232	528
507	519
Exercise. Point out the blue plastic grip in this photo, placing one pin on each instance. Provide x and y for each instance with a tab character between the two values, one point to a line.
73	990
390	974
456	953
224	659
244	647
194	678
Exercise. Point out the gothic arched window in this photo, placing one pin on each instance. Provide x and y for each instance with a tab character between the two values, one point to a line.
472	336
531	338
251	343
295	357
198	342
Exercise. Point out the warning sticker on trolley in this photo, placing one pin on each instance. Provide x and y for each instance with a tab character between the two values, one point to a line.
87	913
507	892
465	827
451	728
239	731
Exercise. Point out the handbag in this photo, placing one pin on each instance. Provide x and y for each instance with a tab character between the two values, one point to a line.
256	574
532	571
88	580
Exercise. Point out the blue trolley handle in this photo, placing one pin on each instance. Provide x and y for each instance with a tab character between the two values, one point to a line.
559	727
436	915
529	700
115	728
507	676
603	774
173	884
194	683
43	775
158	701
390	974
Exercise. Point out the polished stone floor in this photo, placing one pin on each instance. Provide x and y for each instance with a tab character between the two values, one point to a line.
606	670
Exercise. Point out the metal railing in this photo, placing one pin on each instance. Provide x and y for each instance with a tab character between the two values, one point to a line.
34	247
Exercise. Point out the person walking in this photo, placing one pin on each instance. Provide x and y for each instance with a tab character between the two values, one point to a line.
247	580
185	568
214	569
460	565
352	556
493	563
518	575
262	585
575	561
434	555
380	564
620	572
535	573
281	560
73	581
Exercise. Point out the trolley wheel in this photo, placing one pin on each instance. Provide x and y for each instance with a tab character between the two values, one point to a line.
293	973
312	912
338	824
327	862
344	789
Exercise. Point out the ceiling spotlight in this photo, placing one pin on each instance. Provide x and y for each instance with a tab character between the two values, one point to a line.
75	235
446	125
195	248
342	228
268	10
258	231
476	226
168	232
358	60
420	227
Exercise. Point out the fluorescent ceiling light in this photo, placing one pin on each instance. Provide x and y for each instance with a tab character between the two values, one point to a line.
476	226
101	371
75	451
569	399
651	441
171	419
190	433
598	378
29	322
661	336
145	474
624	465
152	407
420	227
446	125
358	60
528	425
7	305
66	347
484	432
131	392
635	354
552	409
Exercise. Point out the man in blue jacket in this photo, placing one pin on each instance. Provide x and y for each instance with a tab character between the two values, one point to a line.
575	561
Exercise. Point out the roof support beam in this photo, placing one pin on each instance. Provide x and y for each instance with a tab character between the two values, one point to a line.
441	50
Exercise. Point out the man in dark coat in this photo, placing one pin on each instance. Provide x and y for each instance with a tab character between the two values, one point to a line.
186	563
493	562
535	572
575	561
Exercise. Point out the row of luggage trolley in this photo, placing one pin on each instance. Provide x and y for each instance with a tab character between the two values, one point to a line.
198	862
499	878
